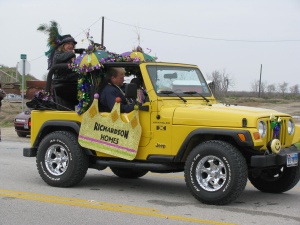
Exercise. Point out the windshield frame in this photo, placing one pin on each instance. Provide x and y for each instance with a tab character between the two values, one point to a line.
160	72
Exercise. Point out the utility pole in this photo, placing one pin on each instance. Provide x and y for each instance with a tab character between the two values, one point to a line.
259	85
102	33
227	84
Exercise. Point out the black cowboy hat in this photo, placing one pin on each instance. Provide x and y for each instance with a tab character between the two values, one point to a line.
66	38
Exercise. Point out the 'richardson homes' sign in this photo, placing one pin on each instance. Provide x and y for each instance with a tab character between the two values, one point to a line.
111	133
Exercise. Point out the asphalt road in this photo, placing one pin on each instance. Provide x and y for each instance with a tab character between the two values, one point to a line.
103	198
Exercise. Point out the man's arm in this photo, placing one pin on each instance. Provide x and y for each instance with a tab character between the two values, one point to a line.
110	100
125	108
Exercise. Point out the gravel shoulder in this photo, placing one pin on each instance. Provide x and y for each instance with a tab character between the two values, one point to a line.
9	134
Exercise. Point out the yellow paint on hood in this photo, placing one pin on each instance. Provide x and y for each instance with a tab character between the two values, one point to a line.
220	115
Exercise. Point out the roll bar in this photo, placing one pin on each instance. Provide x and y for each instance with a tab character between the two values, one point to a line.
51	72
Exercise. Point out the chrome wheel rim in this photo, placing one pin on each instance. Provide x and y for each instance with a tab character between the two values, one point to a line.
211	173
56	160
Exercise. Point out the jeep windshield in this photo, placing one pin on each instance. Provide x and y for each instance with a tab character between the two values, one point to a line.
178	80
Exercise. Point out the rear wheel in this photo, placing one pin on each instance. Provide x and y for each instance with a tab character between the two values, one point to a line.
275	180
128	173
215	173
60	160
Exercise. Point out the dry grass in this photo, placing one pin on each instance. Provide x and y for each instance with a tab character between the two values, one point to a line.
8	112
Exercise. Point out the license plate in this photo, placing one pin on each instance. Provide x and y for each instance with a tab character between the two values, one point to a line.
26	126
292	159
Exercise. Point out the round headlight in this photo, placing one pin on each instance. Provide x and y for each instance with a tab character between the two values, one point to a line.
262	128
290	127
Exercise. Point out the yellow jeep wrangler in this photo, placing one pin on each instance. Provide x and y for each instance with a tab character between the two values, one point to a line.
183	129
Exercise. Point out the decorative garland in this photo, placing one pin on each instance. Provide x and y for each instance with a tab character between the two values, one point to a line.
84	85
43	95
84	70
85	81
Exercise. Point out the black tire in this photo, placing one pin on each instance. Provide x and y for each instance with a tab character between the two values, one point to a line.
276	180
221	162
128	173
20	134
60	160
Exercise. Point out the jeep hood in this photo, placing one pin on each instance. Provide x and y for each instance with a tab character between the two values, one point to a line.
220	115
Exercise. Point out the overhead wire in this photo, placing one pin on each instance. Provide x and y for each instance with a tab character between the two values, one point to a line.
181	35
199	37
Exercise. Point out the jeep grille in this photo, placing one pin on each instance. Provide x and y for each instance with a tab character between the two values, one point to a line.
282	132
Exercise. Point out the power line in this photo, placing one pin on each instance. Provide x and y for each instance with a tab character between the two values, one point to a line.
198	37
37	58
176	34
88	27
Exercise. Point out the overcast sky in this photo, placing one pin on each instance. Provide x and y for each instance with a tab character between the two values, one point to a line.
235	36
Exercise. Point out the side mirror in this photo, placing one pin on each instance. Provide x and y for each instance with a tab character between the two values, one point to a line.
131	91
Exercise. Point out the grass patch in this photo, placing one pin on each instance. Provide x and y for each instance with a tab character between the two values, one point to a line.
7	124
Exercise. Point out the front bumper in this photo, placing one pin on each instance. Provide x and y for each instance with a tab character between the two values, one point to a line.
22	129
273	159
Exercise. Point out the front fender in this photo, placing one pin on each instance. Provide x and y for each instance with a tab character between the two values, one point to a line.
216	133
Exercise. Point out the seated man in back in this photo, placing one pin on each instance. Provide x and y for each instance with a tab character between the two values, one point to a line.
112	90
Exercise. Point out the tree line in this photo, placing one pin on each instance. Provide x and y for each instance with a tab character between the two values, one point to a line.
274	89
220	82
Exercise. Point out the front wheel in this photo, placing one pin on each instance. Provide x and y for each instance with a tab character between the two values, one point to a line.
275	180
60	160
215	172
128	173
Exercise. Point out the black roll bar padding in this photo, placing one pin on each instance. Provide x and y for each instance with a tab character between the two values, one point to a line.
51	72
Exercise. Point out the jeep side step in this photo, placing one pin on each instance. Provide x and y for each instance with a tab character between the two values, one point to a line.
150	166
